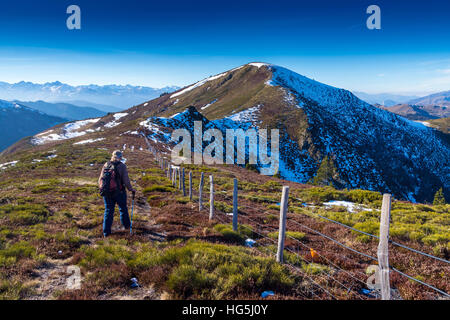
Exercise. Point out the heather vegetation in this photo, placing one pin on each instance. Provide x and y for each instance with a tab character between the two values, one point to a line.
51	218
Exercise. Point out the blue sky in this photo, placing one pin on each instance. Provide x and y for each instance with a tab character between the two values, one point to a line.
179	42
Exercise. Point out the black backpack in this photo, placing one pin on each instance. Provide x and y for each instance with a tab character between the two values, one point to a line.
110	180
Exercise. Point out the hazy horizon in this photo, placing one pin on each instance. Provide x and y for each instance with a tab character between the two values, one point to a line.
399	93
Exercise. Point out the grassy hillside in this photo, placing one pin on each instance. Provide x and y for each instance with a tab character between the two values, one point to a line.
51	216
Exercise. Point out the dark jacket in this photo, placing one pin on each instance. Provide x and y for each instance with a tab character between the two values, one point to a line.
123	174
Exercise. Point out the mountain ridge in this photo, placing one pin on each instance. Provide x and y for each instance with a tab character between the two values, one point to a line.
316	131
315	120
441	99
63	110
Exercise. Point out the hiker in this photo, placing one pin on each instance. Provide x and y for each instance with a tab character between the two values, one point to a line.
112	183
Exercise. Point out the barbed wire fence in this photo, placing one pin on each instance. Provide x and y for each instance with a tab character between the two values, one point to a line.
358	278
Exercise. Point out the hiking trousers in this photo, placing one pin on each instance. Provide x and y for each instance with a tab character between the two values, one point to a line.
110	204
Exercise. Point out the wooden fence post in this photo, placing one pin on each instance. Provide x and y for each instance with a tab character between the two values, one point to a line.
211	197
282	228
235	205
383	248
179	179
168	171
200	193
190	185
184	184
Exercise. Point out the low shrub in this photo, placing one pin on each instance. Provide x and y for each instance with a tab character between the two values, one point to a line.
315	268
158	188
363	196
211	271
25	214
239	236
223	207
273	207
182	200
14	290
16	251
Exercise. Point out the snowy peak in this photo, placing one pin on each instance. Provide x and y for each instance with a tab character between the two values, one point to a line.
305	87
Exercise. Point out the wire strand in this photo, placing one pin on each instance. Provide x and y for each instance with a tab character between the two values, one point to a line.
421	282
376	237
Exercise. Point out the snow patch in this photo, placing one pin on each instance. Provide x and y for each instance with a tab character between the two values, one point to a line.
351	206
425	123
198	84
6	165
88	141
248	115
117	116
258	64
69	131
114	123
209	104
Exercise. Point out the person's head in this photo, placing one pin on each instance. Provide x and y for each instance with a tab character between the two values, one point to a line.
116	156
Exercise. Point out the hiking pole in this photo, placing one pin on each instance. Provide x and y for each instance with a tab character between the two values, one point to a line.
131	220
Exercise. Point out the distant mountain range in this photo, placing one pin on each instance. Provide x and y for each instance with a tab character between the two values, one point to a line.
117	96
438	99
63	110
385	99
56	102
419	112
18	121
16	118
433	106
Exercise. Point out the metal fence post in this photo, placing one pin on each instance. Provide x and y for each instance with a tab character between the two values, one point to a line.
184	184
235	204
282	228
383	248
190	185
211	197
200	193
